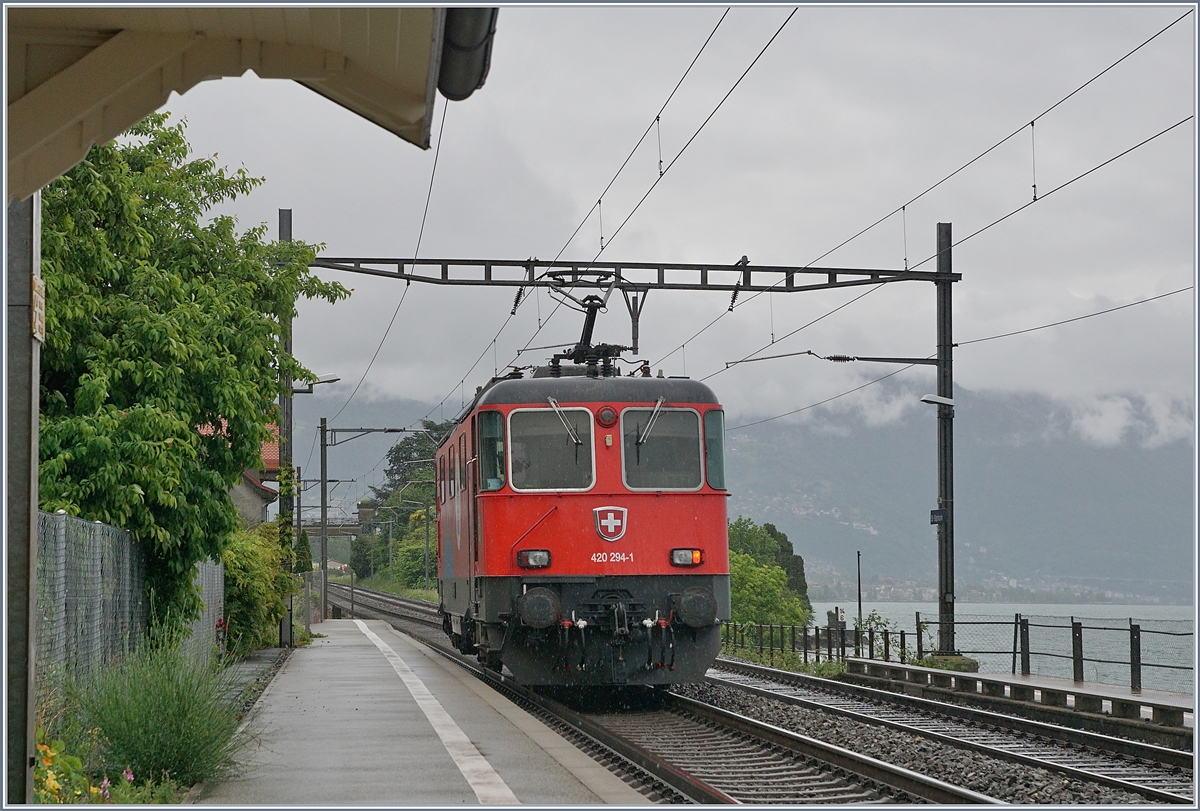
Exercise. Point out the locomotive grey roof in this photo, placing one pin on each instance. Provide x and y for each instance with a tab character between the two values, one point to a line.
578	389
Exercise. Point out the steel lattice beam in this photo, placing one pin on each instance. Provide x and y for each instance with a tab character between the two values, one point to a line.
626	276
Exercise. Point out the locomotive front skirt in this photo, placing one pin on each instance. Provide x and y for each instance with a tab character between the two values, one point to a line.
582	535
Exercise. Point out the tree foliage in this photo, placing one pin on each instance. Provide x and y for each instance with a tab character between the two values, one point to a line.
408	459
163	349
766	578
760	593
255	586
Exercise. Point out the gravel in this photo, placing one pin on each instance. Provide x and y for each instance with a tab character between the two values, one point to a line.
1012	783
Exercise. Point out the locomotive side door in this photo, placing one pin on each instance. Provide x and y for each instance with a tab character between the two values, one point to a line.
471	491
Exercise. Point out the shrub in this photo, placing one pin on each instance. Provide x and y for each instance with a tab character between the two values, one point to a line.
255	587
162	715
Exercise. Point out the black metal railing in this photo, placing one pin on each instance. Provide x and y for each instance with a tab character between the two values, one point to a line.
1099	650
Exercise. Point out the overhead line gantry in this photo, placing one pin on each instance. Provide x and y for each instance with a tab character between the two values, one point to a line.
636	279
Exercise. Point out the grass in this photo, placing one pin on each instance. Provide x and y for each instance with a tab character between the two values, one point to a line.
161	715
383	583
785	660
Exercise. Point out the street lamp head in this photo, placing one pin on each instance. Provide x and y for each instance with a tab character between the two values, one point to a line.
934	399
308	388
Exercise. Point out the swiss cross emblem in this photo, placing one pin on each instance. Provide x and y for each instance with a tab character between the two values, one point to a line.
611	522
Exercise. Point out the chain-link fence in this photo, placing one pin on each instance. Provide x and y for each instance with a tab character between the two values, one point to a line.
211	579
91	607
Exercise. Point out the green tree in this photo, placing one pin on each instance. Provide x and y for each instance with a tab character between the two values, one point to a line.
255	586
764	580
409	460
163	348
749	538
408	553
303	554
759	593
792	564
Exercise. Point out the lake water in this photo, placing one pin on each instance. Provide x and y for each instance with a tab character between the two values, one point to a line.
1167	637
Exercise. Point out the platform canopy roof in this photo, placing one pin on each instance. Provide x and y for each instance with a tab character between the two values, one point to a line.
82	75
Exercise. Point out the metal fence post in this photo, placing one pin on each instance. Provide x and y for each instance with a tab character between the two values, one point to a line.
870	643
96	598
1135	656
829	644
903	656
887	645
1016	640
58	626
1077	649
1024	647
843	640
920	643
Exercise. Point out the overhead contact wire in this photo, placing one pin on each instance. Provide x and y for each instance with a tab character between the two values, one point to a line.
957	171
416	253
679	154
960	343
587	216
959	242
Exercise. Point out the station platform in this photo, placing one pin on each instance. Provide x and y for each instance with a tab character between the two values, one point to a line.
368	716
1158	706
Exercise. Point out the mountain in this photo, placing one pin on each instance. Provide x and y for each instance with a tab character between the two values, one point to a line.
1035	501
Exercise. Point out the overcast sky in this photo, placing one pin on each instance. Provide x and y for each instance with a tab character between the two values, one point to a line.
850	113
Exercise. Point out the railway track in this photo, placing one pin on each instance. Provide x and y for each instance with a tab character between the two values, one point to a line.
680	750
1157	773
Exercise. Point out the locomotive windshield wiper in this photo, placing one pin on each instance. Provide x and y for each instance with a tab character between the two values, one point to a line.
563	418
641	440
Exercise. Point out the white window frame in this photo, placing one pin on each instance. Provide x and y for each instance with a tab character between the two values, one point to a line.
699	436
512	444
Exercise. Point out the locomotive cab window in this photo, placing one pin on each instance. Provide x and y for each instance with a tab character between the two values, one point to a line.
491	451
714	448
551	449
661	448
451	473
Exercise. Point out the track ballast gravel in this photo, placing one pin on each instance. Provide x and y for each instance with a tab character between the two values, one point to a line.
1003	780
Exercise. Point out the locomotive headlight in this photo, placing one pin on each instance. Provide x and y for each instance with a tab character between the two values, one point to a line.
533	558
686	557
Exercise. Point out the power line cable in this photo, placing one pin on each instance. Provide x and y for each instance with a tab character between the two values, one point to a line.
1071	320
902	208
679	154
793	332
1058	187
517	304
956	244
420	234
960	343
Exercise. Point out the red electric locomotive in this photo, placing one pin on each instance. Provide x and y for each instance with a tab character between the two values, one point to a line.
582	536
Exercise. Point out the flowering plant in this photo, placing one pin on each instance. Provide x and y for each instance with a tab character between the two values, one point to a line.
57	776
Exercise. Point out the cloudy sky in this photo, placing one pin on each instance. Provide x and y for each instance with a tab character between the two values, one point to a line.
850	113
